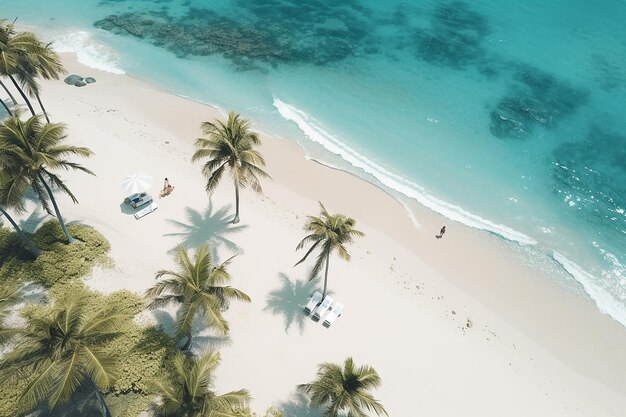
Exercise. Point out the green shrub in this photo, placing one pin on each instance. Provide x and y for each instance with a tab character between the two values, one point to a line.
58	261
142	353
10	393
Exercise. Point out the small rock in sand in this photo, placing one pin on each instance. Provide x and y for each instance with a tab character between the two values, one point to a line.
73	79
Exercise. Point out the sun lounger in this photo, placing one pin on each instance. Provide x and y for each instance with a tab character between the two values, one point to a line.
321	309
138	199
146	210
334	313
313	302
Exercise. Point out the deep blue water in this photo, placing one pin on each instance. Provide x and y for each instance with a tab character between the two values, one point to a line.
507	116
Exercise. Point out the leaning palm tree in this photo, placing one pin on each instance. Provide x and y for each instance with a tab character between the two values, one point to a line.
6	31
189	393
198	287
59	351
230	147
32	150
12	191
14	47
329	232
41	61
344	391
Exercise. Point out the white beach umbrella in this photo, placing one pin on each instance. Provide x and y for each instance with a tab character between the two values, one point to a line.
136	183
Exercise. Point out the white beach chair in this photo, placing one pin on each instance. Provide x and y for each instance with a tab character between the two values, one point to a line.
146	210
334	313
321	309
313	302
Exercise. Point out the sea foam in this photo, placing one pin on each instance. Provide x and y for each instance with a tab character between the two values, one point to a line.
314	131
89	51
605	302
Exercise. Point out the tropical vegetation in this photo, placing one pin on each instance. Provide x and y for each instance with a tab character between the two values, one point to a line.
344	390
189	391
328	233
230	147
198	286
12	192
30	152
23	59
76	341
9	295
61	351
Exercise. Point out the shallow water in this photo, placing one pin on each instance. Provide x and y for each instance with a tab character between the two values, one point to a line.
506	116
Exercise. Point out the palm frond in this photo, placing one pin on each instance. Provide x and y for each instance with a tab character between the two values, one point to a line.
226	405
185	318
38	390
311	249
67	381
212	313
97	366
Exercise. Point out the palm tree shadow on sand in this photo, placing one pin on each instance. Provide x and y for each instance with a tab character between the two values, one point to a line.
33	221
200	343
289	301
209	227
298	405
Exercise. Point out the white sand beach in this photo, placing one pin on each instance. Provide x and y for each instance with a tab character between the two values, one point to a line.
458	326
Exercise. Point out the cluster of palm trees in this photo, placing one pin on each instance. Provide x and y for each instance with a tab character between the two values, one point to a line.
60	349
339	390
31	151
23	59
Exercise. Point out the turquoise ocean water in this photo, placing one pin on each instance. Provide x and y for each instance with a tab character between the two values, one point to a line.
507	116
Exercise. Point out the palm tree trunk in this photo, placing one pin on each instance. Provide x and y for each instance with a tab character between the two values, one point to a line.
42	107
70	239
6	107
8	92
30	106
188	342
236	219
326	277
34	250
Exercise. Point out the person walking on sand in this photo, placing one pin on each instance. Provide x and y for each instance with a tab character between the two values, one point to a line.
441	232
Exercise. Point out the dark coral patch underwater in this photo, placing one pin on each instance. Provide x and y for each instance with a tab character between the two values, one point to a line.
535	98
272	32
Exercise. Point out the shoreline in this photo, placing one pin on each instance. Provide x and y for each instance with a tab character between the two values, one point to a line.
407	193
518	314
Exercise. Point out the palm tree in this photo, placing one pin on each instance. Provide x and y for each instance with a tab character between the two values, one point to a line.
14	46
31	150
12	192
189	392
197	287
6	32
42	62
8	296
330	233
344	390
59	351
230	146
25	57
